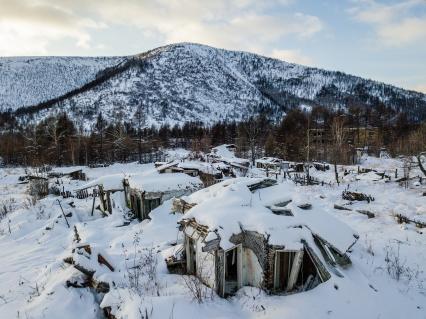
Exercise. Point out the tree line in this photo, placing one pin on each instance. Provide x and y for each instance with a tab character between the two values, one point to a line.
59	141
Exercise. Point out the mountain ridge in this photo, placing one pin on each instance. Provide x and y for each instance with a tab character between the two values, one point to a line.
191	82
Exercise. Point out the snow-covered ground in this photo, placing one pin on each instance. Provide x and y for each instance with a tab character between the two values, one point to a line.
387	278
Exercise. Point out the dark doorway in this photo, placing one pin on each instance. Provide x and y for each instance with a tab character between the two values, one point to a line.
139	208
149	205
191	257
231	271
284	263
308	276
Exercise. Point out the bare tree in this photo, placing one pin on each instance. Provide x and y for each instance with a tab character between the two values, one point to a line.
118	139
252	131
338	137
141	122
32	145
100	127
55	137
419	161
407	166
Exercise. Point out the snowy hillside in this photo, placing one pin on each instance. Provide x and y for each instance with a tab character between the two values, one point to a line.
191	82
26	81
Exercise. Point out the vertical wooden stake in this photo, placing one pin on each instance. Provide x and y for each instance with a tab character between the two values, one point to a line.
63	213
93	204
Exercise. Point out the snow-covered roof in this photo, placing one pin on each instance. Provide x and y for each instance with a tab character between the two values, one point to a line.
207	168
269	160
167	165
67	170
230	205
150	181
108	182
225	154
156	182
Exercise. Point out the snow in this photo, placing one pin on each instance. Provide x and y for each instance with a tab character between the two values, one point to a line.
180	83
227	155
155	182
268	160
227	207
26	81
108	182
33	274
148	180
208	168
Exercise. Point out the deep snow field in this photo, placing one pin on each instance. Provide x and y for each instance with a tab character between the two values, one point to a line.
34	240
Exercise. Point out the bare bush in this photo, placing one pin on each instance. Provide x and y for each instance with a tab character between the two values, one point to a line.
397	268
38	188
6	207
145	313
369	246
29	202
196	284
141	271
196	288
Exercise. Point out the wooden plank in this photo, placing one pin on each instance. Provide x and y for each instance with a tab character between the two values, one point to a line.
211	245
103	261
63	213
297	263
93	205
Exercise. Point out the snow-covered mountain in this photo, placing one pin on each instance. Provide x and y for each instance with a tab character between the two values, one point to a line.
184	82
26	81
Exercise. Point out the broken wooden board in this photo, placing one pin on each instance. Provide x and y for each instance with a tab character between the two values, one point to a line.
305	206
181	206
404	219
103	261
354	196
366	212
341	207
361	211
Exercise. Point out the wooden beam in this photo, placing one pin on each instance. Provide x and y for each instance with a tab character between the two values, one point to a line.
297	263
103	261
63	213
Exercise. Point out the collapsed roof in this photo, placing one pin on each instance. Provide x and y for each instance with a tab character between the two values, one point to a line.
225	153
269	160
227	207
207	168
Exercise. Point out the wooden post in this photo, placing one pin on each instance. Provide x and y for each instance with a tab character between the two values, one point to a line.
295	270
93	204
63	213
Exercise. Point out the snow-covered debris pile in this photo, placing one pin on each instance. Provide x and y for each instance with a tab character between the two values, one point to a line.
269	163
232	215
226	153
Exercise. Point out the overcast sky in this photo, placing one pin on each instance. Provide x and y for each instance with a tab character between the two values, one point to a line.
377	39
